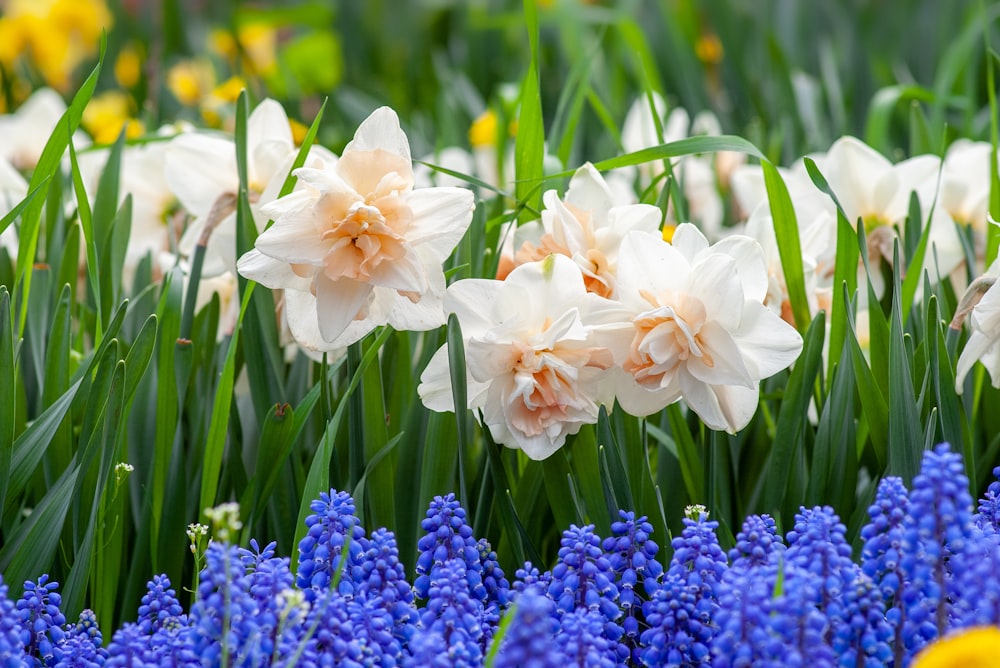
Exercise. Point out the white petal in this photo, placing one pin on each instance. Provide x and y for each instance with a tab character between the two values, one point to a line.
294	239
435	383
472	300
721	407
589	192
977	346
643	217
338	303
440	218
721	362
768	343
405	315
752	269
647	262
381	131
852	168
271	273
715	281
199	168
268	123
689	240
639	401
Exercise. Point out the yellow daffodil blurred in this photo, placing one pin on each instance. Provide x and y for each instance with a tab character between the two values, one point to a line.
128	66
190	81
107	114
55	36
256	41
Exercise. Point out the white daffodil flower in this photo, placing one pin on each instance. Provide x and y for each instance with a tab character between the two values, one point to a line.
984	343
24	133
869	187
584	226
697	327
13	189
533	367
201	171
356	246
699	175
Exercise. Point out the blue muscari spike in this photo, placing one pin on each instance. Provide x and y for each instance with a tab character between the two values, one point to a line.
976	569
883	537
817	544
159	605
372	629
632	555
224	616
41	619
448	536
530	638
333	642
681	610
757	543
333	519
528	577
497	587
11	645
936	531
580	638
583	579
862	635
768	618
430	649
881	554
130	648
987	519
83	645
976	585
170	645
78	651
381	580
268	580
451	609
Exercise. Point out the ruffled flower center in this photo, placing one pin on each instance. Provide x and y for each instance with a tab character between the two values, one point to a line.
545	384
667	336
364	235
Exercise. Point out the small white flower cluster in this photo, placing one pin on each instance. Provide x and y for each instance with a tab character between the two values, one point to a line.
196	534
225	519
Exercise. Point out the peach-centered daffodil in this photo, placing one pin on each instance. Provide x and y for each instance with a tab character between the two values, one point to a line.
697	326
534	369
357	246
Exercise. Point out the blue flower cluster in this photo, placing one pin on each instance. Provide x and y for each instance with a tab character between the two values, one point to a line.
930	564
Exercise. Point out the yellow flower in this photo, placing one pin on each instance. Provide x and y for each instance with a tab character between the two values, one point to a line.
709	49
107	114
257	41
259	45
128	66
190	81
299	131
484	130
668	232
221	41
55	35
977	647
230	89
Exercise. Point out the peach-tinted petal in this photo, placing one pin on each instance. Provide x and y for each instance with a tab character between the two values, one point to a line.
338	303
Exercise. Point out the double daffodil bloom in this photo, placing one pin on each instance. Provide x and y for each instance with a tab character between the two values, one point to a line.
357	246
